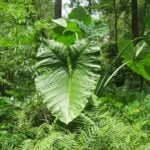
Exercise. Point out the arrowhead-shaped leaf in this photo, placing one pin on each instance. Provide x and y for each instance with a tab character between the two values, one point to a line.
138	57
71	76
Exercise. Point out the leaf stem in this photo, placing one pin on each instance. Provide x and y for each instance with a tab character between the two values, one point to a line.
101	84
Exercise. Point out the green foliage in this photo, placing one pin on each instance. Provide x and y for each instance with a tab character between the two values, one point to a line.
117	120
18	43
71	66
110	133
72	75
44	9
76	14
73	28
14	19
97	128
138	57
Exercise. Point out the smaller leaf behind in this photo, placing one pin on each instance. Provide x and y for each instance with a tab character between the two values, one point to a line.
138	57
80	14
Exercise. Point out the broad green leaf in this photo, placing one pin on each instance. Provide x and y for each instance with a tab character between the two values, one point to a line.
73	26
60	35
80	14
61	22
71	76
99	31
138	56
67	31
129	53
147	38
142	49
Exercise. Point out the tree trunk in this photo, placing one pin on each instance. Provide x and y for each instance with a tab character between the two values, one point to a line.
135	22
57	9
90	4
115	24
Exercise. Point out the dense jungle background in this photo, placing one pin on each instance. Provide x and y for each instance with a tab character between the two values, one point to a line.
79	82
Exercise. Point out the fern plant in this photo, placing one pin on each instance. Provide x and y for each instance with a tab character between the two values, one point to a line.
70	77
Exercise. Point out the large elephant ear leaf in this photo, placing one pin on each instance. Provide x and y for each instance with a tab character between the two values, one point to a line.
138	57
71	78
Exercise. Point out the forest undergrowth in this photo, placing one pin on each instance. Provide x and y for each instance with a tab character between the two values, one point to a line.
74	83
